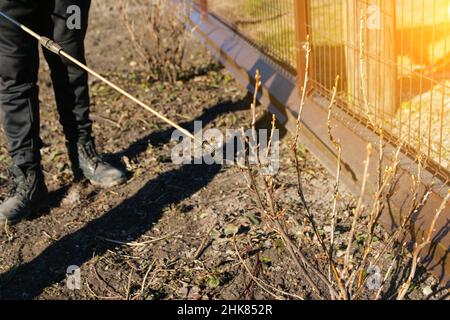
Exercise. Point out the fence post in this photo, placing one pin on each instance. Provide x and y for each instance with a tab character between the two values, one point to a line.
380	61
204	8
302	15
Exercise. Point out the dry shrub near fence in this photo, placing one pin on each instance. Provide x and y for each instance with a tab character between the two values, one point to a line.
158	35
362	272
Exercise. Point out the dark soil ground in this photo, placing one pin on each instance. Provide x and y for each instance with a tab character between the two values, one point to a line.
166	233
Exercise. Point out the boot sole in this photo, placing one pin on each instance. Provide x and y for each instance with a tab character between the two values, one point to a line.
108	186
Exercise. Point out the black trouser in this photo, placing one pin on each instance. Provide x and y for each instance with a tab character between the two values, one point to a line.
19	64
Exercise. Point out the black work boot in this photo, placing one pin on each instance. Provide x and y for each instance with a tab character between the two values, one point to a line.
27	196
87	163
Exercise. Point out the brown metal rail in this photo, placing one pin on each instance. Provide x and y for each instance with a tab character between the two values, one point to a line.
239	53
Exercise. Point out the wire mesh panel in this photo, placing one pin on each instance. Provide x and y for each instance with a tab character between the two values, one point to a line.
423	119
393	60
269	24
392	57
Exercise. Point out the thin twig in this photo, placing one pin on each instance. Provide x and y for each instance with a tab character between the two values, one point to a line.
102	118
144	280
358	211
128	289
137	244
418	248
204	242
338	148
264	286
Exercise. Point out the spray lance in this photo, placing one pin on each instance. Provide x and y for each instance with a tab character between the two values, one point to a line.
57	49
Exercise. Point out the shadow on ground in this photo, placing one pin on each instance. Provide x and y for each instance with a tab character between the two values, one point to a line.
29	280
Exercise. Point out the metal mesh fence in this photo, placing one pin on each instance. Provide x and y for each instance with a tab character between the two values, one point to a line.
392	57
269	24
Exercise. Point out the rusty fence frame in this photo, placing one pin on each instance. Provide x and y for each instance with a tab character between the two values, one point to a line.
280	94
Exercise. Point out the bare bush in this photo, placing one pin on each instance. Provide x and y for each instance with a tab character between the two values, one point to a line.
158	35
348	278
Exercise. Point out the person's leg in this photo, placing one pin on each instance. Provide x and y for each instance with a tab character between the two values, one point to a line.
72	92
19	104
19	63
70	83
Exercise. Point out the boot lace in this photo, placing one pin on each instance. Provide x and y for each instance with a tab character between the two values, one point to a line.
91	153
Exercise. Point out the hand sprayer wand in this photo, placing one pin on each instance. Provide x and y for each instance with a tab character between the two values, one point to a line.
57	49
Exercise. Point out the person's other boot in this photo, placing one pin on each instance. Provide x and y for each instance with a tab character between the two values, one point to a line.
87	162
29	193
